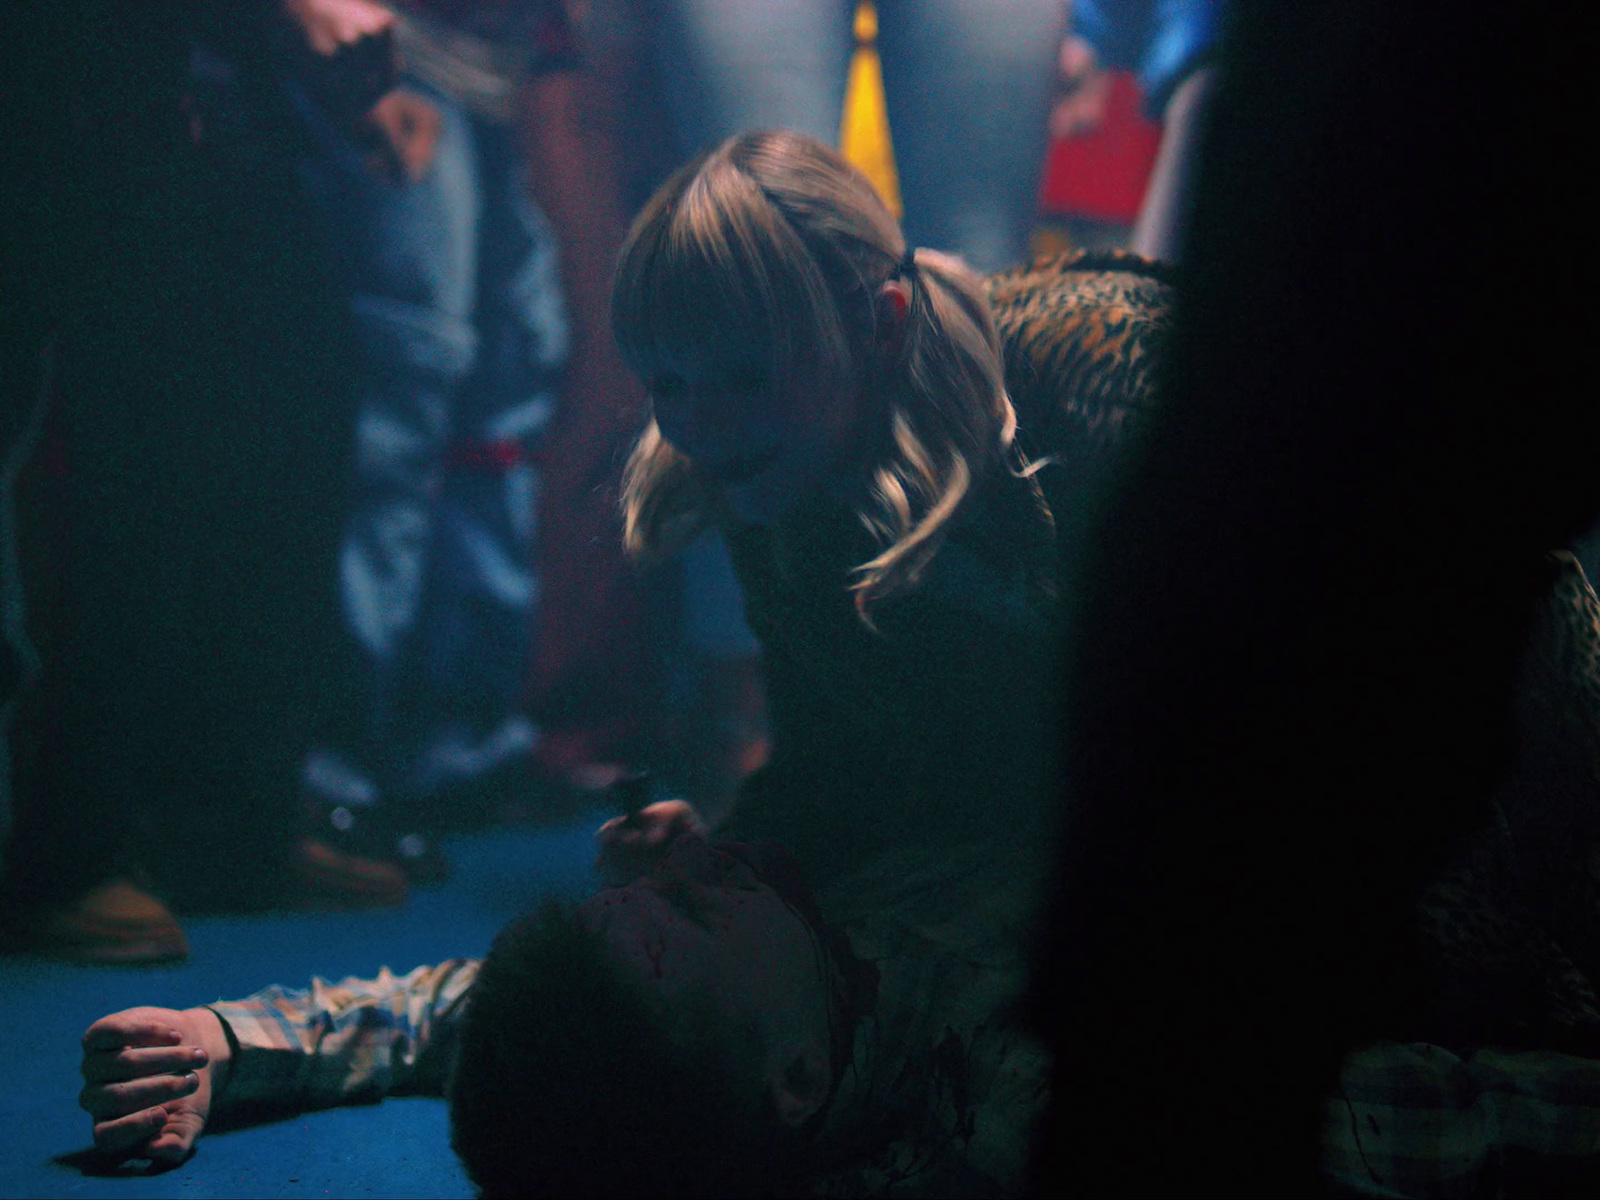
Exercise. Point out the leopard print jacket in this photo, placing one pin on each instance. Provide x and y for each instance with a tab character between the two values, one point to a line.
1082	335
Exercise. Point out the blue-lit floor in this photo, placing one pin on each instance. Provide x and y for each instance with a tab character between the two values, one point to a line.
398	1148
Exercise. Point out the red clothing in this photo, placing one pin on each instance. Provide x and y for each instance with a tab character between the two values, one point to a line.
1103	174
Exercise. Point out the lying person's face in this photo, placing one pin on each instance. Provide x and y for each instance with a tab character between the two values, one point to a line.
705	934
770	444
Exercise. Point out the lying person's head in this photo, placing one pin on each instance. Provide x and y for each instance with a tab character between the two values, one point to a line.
793	346
679	1036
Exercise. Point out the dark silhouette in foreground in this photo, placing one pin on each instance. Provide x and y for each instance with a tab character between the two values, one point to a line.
1290	689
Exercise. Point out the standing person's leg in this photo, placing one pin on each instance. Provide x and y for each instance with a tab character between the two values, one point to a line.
1164	215
115	221
179	533
483	592
82	725
408	250
968	85
754	64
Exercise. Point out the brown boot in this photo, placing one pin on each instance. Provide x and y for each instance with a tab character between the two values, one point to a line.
117	922
329	878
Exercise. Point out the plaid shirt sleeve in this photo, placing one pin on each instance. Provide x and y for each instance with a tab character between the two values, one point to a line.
357	1040
1417	1120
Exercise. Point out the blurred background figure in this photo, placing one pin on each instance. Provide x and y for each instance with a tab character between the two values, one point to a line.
277	490
456	306
1102	148
967	84
1136	80
429	205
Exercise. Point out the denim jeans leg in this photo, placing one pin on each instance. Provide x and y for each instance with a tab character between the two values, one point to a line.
408	251
757	64
968	85
483	591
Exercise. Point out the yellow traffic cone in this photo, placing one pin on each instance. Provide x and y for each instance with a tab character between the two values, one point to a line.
864	128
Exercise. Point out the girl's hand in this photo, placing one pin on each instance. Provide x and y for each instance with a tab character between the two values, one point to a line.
149	1078
631	845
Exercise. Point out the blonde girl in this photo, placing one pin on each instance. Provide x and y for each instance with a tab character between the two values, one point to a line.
835	401
793	343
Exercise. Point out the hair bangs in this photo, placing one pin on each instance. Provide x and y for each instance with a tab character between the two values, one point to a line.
716	271
773	245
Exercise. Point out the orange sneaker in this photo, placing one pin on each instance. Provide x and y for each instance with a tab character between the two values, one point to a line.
115	923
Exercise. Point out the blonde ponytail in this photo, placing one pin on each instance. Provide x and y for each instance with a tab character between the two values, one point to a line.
950	422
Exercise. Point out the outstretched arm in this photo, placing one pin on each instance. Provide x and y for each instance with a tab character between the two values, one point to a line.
151	1094
149	1078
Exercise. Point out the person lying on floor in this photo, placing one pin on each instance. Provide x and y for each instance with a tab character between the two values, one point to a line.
699	1030
839	404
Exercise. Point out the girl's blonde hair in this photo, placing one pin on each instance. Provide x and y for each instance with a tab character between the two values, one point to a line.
775	239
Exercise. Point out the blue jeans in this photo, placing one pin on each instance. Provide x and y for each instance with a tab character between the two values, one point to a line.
968	84
457	309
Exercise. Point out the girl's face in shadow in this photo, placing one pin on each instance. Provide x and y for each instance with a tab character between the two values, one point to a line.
769	443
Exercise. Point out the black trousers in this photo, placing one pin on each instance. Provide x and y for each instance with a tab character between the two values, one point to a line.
179	543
